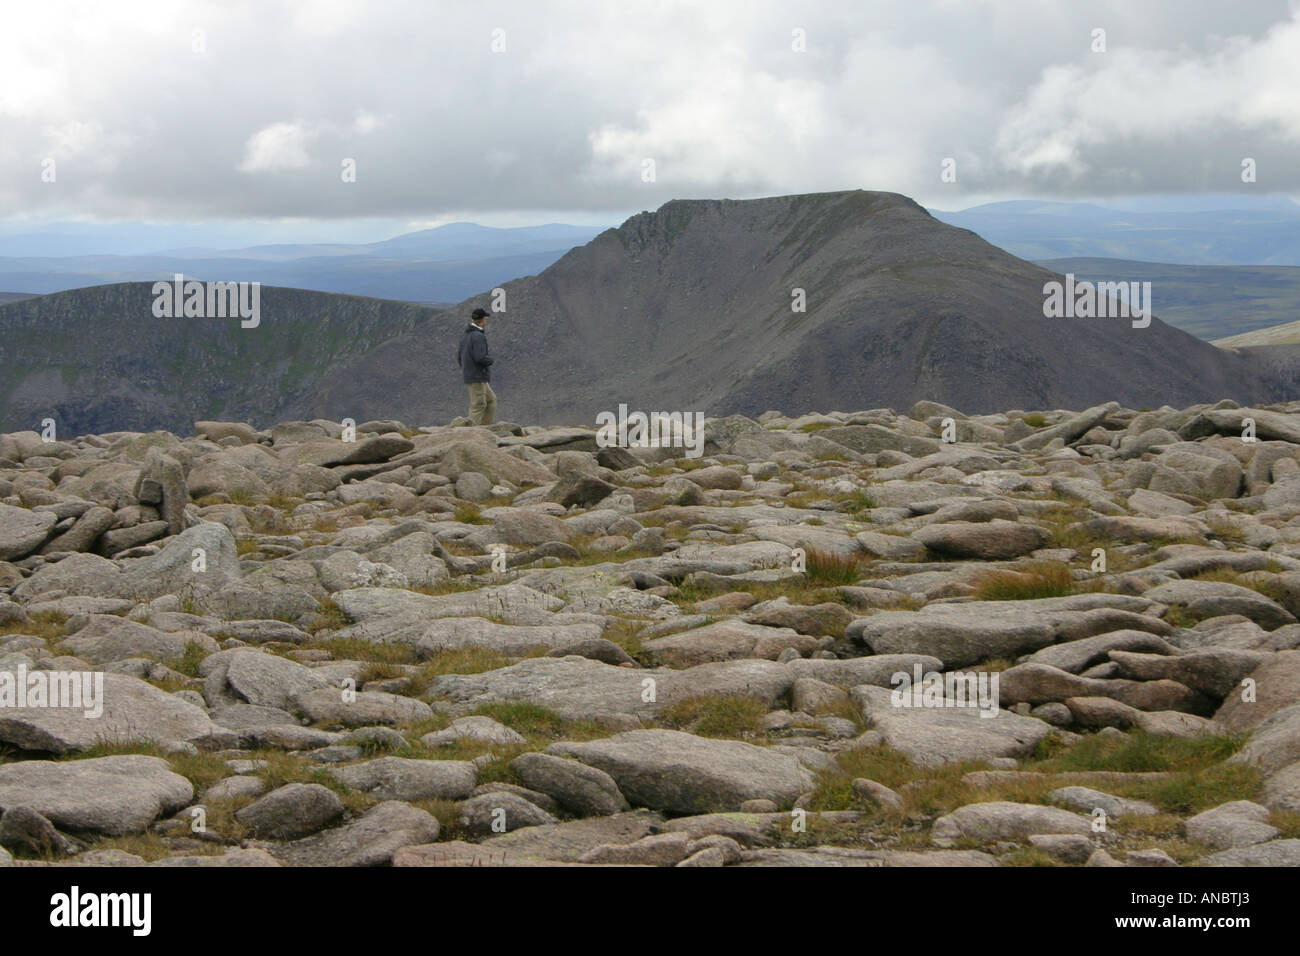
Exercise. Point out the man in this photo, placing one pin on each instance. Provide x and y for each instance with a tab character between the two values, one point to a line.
474	360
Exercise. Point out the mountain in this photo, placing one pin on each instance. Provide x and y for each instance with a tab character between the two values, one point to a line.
1210	302
97	359
687	308
1225	230
1287	333
444	264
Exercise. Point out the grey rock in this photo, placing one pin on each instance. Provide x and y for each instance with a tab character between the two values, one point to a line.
291	811
109	795
582	790
670	770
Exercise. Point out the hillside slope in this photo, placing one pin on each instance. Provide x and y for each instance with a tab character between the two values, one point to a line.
97	359
689	308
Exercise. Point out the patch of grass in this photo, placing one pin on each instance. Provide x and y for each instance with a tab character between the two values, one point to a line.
540	725
855	502
246	546
797	590
47	625
468	513
114	748
1198	777
1042	579
626	633
1138	752
151	846
1255	580
828	569
188	663
281	768
1029	856
359	649
730	717
1177	616
201	769
1034	419
330	616
283	502
380	670
1288	822
447	813
457	660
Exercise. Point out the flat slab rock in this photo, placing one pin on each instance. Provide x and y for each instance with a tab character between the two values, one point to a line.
933	736
679	772
962	634
370	840
109	795
133	712
1002	820
580	689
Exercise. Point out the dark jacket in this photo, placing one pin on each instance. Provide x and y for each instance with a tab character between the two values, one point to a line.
473	357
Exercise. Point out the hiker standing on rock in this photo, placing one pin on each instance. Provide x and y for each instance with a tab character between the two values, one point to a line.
474	360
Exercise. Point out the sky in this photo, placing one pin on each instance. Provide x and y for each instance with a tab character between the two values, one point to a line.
241	119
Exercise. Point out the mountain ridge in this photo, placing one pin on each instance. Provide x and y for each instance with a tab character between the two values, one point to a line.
689	307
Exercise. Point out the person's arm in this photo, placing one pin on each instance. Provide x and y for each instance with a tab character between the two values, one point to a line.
479	351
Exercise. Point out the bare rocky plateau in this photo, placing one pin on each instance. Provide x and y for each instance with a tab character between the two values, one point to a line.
467	646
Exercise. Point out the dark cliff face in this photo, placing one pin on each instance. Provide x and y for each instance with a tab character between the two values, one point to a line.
687	308
98	359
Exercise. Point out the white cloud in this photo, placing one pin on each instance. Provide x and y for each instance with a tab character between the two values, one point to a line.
713	92
277	147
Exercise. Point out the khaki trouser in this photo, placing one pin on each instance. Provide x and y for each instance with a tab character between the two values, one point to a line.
482	403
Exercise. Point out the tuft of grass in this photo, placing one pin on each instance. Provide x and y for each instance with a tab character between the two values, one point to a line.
827	569
330	616
1029	856
539	724
855	502
1137	752
201	769
457	660
1034	419
115	748
359	649
731	717
1042	579
468	513
47	625
380	670
188	663
626	633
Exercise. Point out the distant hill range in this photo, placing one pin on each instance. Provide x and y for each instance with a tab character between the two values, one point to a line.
444	264
1242	230
687	308
1211	302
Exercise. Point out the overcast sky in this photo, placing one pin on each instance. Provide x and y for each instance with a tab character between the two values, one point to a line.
243	112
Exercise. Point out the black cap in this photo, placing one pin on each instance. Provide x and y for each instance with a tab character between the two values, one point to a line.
477	314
